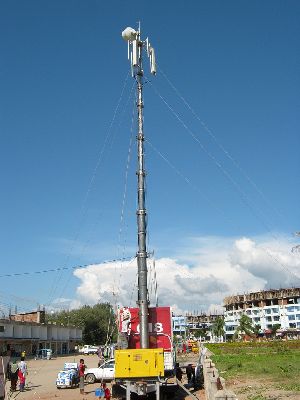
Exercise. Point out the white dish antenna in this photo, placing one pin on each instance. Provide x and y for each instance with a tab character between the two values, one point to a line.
135	47
129	34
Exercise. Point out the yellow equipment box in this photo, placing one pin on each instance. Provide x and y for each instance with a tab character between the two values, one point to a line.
139	363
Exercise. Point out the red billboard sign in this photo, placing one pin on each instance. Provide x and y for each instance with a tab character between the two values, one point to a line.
160	327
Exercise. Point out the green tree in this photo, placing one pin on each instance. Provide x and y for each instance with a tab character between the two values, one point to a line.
218	327
256	329
97	322
275	328
202	332
245	327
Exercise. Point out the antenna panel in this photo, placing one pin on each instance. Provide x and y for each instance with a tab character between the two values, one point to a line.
152	61
131	64
135	53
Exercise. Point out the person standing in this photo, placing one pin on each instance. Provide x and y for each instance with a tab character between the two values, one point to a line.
107	394
13	375
22	372
81	369
178	372
100	355
189	372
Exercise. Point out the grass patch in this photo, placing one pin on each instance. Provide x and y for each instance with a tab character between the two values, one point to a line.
277	362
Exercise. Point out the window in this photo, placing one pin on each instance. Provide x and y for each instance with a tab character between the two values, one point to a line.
269	319
108	365
290	309
256	319
298	316
230	328
1	328
292	325
275	310
291	317
268	311
276	318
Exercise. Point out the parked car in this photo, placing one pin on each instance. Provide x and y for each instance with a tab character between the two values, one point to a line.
68	377
44	354
88	349
106	372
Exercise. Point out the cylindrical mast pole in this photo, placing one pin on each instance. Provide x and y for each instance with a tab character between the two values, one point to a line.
141	211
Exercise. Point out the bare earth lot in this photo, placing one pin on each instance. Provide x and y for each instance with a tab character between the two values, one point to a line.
40	382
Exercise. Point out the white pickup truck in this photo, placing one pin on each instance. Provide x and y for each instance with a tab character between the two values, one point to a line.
88	349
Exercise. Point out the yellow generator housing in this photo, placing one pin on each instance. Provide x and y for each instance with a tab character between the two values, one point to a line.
139	363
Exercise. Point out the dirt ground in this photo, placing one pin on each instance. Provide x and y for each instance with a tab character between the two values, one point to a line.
261	389
41	378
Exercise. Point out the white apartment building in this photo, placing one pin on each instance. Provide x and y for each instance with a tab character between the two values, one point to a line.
265	308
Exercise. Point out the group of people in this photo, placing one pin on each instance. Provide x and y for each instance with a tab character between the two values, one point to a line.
17	371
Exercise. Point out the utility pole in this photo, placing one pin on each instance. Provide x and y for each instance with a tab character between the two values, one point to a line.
135	55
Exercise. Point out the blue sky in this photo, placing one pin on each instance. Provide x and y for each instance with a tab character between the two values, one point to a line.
64	155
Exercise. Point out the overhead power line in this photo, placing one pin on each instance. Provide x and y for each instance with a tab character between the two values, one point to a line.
45	271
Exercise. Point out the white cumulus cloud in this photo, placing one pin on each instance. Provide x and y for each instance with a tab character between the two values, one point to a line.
213	267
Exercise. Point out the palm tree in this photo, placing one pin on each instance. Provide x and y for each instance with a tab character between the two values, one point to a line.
218	327
275	329
245	327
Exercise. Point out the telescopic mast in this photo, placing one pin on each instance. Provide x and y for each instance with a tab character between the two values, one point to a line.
135	55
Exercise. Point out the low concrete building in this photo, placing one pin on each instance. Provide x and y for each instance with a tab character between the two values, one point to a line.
26	332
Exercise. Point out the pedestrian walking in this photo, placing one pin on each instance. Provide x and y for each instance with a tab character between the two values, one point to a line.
13	375
22	372
81	369
22	379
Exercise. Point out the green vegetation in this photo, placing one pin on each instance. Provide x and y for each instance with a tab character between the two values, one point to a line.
275	362
96	322
218	327
245	327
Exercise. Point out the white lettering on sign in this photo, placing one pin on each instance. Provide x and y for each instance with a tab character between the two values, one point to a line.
157	327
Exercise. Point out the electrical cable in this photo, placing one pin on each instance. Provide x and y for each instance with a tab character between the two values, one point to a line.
293	274
116	286
44	271
83	210
243	195
189	182
92	180
221	147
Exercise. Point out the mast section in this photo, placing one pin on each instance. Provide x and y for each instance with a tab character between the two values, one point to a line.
141	211
135	53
